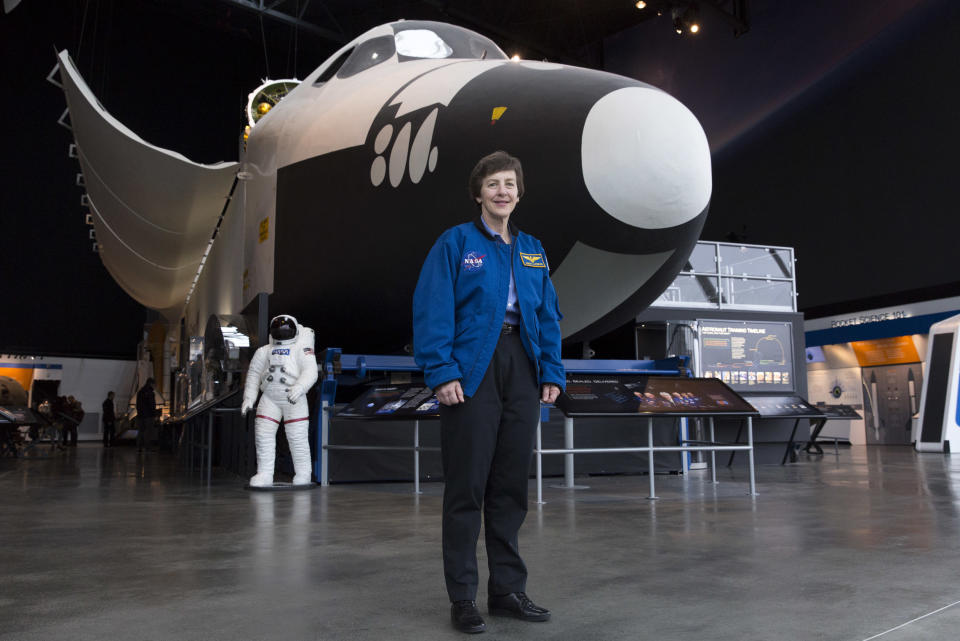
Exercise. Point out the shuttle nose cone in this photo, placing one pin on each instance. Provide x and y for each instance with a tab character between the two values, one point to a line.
645	158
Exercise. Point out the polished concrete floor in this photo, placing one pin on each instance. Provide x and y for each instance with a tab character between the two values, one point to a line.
99	544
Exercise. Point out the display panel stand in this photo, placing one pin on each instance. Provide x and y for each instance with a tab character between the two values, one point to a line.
787	407
413	401
649	397
390	402
333	364
830	413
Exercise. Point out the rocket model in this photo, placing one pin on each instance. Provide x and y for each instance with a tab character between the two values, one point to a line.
875	401
347	181
912	392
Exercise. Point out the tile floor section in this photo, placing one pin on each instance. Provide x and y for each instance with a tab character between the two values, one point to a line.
109	544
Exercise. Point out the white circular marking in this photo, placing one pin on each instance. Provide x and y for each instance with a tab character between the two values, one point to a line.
432	163
382	139
398	155
420	149
645	158
378	170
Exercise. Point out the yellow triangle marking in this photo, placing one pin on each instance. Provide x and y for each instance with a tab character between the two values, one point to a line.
497	112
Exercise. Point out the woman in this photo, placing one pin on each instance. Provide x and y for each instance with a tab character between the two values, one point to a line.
487	335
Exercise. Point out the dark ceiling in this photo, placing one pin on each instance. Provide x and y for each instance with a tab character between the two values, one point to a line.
834	113
568	31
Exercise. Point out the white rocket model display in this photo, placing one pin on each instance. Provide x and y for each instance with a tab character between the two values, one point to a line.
345	183
283	370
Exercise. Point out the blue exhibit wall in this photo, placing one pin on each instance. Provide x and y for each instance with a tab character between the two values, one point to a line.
883	329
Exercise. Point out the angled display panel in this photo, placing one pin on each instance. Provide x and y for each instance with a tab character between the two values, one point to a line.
649	395
402	401
783	407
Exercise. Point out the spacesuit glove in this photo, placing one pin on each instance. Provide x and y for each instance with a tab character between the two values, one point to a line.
246	406
296	391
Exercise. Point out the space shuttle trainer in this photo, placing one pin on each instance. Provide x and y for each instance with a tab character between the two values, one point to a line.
283	370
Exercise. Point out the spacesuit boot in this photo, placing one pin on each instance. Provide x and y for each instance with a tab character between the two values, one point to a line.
299	451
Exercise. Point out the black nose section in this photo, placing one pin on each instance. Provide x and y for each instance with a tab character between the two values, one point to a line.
539	115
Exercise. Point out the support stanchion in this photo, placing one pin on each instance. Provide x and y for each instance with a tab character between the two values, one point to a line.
539	465
209	446
416	457
323	474
653	492
753	482
568	472
713	453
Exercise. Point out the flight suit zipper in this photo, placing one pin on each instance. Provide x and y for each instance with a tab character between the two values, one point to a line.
476	358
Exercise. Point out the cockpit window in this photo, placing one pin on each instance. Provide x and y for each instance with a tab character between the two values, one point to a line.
368	54
421	43
418	39
333	67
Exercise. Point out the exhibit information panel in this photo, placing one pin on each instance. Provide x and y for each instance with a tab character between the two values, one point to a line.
592	395
748	355
840	411
407	401
783	407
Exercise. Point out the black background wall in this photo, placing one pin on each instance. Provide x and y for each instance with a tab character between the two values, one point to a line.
855	172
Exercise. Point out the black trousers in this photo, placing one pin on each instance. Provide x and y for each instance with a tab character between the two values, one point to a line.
486	445
109	428
69	433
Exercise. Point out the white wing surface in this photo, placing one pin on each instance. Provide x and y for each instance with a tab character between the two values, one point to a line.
154	210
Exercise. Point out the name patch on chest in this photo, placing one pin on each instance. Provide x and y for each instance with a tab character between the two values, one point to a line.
533	260
278	351
473	261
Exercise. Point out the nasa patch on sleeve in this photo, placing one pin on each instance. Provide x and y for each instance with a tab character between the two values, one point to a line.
473	261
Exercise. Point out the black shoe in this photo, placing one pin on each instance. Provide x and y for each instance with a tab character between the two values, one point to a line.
517	605
466	617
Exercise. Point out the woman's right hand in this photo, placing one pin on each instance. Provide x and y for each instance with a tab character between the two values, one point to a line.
449	393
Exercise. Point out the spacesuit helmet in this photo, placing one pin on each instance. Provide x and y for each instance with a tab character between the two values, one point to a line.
283	328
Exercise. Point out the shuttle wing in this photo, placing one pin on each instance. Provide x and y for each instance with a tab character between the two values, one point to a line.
154	210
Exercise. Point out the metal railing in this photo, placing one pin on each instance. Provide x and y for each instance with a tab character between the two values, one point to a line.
721	275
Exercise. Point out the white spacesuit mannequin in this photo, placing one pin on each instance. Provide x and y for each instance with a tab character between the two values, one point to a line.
284	370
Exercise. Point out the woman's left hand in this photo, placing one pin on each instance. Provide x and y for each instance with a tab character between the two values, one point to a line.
549	392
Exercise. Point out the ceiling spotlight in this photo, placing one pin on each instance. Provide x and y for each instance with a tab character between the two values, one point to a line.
685	17
641	4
